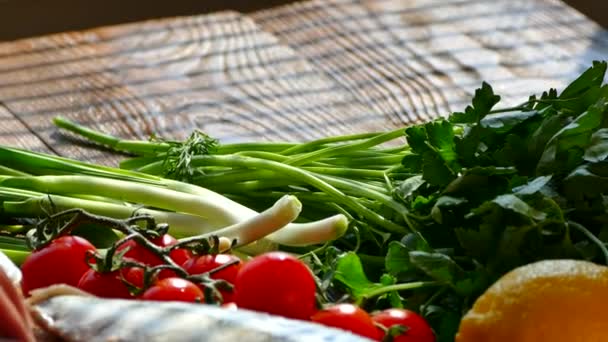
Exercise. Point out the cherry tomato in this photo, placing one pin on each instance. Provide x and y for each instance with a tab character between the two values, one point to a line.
174	289
348	317
133	275
180	255
143	255
276	283
417	329
205	263
63	261
107	285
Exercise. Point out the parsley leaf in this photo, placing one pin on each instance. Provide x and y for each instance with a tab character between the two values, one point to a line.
592	77
483	101
493	190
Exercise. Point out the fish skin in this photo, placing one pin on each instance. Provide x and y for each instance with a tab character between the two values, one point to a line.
87	318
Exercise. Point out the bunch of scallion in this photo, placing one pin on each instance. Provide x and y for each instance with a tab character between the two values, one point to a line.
35	185
353	175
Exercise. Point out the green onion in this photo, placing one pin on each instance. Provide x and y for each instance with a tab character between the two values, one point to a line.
38	184
351	170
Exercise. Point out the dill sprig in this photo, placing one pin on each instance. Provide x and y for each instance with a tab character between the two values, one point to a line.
178	158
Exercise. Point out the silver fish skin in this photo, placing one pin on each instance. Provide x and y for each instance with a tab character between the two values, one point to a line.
87	318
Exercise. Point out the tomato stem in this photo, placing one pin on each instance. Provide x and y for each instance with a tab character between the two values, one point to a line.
61	223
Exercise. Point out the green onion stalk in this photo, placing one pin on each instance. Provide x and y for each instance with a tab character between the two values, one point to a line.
33	185
351	170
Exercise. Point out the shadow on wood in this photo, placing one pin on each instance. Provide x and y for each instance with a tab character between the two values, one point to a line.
27	18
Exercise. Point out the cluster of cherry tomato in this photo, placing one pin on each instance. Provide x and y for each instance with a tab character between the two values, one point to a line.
275	283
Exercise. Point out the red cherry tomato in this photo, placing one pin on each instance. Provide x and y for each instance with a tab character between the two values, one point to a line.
276	283
205	263
417	329
143	255
107	285
133	275
63	261
174	289
348	317
180	255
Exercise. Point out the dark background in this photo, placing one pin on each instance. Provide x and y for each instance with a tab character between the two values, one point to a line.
26	18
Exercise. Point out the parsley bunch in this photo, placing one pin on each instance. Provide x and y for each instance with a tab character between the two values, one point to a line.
493	191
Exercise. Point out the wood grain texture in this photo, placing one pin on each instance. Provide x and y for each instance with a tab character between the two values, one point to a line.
220	73
414	60
30	18
14	132
297	72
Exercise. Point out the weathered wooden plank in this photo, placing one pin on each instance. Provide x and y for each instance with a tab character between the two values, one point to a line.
413	60
219	73
297	72
13	132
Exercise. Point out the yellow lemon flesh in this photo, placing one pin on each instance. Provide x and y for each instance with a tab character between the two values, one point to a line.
551	300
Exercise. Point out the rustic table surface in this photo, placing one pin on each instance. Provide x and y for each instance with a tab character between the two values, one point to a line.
296	72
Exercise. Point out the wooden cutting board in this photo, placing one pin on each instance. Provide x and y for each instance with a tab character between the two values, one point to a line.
296	72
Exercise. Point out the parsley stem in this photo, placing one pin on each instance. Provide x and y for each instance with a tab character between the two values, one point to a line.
591	237
397	287
431	299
